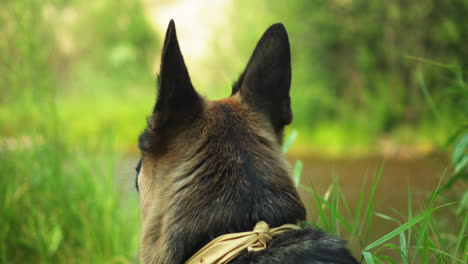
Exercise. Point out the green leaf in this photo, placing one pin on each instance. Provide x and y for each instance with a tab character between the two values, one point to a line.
463	206
357	217
297	173
387	258
422	233
322	218
368	257
403	247
461	164
305	224
403	227
56	237
367	218
388	218
453	257
454	136
289	141
427	95
460	149
410	215
334	206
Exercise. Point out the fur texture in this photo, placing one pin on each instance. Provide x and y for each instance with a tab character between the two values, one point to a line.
216	167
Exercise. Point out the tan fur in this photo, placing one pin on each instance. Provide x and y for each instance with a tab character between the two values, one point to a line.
160	176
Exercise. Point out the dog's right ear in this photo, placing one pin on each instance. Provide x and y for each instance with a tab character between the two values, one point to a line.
177	99
264	84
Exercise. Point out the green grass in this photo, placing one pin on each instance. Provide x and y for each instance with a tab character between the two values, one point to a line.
422	234
62	204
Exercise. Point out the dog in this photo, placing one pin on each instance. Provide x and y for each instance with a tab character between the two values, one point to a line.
210	168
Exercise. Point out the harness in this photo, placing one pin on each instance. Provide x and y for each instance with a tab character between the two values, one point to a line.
224	248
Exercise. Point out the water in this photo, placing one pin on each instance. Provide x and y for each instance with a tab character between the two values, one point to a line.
422	175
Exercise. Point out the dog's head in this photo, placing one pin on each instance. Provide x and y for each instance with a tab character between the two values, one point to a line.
190	141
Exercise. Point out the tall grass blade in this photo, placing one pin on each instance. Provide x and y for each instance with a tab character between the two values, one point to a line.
322	218
367	219
435	63
388	218
297	173
387	259
357	217
403	247
404	226
462	238
344	201
334	206
460	148
368	257
427	96
289	141
442	252
422	235
410	216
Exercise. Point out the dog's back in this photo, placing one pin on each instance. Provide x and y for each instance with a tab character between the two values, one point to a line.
211	168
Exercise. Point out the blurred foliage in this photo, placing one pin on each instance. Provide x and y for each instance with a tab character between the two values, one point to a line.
459	158
51	39
24	51
59	54
114	35
366	76
61	205
363	65
64	69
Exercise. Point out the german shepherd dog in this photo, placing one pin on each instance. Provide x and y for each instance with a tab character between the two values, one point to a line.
210	168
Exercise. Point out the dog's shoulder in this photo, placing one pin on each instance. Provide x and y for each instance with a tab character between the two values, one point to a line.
308	245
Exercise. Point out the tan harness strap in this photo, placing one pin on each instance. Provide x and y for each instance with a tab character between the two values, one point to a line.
226	247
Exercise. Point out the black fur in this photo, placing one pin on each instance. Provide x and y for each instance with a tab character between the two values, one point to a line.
221	166
308	245
177	99
266	80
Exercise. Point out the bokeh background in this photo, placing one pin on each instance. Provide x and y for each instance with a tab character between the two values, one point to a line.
375	84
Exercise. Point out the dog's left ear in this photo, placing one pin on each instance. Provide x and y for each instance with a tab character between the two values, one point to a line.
265	83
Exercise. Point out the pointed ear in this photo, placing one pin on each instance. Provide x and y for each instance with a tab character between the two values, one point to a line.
265	83
176	96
